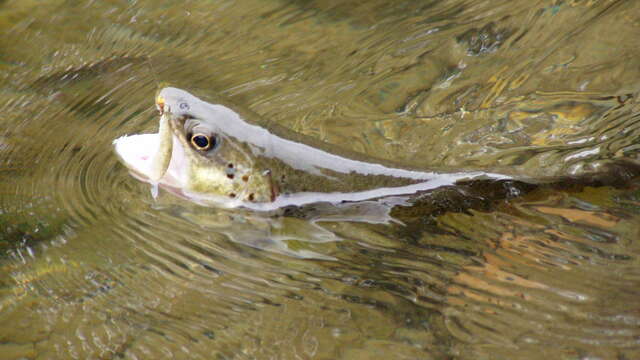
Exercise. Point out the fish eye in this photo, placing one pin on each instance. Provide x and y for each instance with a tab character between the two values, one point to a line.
184	106
203	142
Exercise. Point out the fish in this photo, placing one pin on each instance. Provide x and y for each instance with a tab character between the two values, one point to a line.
214	155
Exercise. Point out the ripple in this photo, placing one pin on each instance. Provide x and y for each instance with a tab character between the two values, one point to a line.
537	284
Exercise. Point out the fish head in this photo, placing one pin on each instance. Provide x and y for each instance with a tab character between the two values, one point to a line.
194	155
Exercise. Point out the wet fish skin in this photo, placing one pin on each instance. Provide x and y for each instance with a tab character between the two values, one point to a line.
265	167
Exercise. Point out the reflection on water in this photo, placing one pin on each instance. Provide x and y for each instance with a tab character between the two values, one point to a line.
93	267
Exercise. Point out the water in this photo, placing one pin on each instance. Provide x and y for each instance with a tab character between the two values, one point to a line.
94	267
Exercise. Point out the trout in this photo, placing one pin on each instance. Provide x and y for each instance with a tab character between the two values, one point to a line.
212	155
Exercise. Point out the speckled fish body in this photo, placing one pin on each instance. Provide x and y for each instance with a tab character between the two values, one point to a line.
212	155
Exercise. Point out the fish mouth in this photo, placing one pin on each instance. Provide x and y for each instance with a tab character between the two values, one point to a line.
155	158
137	153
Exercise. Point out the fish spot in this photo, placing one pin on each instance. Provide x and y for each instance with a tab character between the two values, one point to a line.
230	170
245	178
232	195
251	197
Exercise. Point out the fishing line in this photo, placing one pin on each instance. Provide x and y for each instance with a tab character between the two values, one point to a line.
153	72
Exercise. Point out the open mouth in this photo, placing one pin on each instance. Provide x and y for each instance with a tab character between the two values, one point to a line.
137	152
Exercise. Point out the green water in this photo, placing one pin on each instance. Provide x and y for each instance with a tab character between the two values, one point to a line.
92	267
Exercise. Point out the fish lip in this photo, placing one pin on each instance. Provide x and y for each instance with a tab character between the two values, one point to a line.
176	123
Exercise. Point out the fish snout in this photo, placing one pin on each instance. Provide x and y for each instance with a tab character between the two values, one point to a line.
160	104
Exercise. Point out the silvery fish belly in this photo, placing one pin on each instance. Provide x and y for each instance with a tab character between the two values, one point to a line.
211	155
